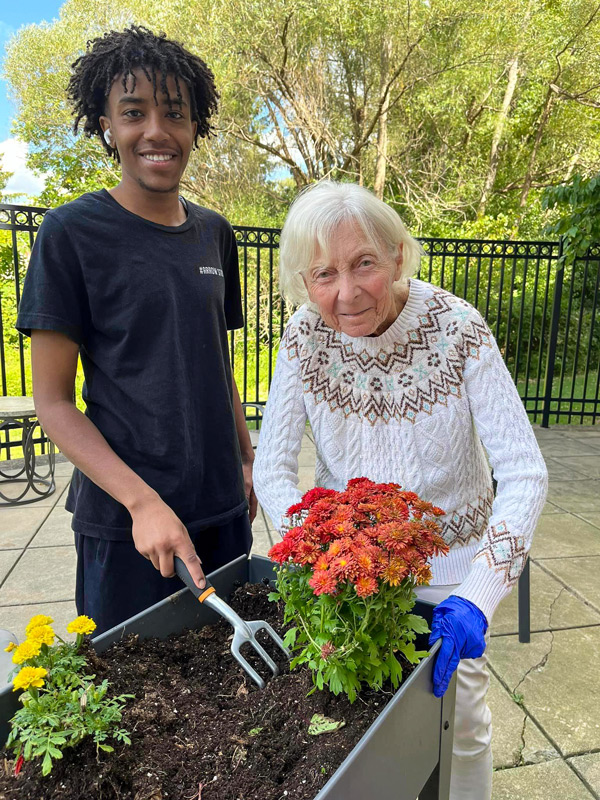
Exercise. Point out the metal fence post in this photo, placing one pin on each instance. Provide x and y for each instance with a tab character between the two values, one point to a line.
554	320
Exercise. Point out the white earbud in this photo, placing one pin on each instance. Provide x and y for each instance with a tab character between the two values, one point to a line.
108	138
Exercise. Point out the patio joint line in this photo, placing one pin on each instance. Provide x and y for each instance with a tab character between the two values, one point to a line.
583	519
583	780
548	630
570	589
562	558
24	549
37	603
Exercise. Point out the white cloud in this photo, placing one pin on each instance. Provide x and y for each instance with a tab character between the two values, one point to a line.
23	183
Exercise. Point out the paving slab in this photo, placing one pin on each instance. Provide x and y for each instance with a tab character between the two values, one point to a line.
585	432
592	518
561	535
43	575
263	536
7	561
580	573
569	447
588	466
15	489
18	525
306	478
559	470
15	618
552	607
56	529
546	433
63	469
588	767
553	779
516	739
575	496
263	542
552	508
557	675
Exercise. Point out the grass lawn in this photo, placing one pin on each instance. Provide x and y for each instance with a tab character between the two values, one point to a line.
567	407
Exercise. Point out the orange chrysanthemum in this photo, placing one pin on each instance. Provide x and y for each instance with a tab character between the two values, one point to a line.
366	535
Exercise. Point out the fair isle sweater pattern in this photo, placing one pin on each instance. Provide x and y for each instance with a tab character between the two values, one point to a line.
427	368
420	405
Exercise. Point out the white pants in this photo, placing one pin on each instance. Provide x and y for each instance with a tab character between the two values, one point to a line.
471	777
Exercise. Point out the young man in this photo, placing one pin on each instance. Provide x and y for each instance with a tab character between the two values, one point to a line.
143	286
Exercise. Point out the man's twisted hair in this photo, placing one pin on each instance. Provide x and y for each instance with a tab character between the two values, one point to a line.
118	54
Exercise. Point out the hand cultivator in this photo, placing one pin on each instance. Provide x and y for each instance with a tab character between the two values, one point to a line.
244	631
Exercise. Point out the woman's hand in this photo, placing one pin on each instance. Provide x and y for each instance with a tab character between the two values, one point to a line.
158	534
461	627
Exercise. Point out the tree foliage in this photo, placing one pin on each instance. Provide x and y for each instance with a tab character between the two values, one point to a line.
459	113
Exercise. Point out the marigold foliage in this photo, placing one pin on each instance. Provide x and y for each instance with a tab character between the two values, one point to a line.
82	625
348	567
61	704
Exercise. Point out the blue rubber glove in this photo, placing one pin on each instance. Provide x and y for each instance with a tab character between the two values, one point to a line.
461	626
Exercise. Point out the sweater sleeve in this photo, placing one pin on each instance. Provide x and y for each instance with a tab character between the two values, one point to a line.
275	472
520	472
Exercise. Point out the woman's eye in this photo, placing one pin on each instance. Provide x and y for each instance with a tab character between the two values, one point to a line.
133	112
366	262
321	275
175	115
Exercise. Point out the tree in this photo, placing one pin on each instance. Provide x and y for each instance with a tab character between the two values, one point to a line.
457	112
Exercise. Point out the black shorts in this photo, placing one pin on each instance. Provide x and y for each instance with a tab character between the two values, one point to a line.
114	581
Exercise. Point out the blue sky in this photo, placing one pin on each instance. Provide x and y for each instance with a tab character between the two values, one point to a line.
13	15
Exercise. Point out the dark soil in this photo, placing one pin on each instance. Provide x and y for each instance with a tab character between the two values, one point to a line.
201	730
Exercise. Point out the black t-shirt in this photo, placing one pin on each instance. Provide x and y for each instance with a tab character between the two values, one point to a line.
149	307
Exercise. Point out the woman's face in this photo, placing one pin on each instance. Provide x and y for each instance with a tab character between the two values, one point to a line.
352	285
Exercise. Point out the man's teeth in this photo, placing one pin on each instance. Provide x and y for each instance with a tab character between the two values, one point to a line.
152	157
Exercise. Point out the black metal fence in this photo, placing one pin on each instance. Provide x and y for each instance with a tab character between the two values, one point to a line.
544	315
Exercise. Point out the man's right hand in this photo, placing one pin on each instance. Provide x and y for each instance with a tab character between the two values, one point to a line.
158	534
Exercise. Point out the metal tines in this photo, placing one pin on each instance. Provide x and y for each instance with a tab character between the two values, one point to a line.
244	631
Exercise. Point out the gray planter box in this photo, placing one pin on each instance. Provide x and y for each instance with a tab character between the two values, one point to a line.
404	754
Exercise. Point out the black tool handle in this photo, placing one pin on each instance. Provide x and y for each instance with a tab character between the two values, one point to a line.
184	573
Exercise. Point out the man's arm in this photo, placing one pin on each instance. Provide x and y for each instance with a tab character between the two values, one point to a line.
246	450
158	533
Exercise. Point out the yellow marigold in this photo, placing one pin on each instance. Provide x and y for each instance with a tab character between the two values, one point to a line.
28	677
26	651
12	646
82	624
35	622
42	634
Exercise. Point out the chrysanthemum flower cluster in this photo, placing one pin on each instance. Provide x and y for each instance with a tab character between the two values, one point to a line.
61	704
370	534
348	566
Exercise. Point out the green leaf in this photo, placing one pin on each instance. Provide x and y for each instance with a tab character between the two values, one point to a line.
321	724
46	764
417	623
289	640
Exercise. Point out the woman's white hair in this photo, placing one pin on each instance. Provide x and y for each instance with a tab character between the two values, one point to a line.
314	217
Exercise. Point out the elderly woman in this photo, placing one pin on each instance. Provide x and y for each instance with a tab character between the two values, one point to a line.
402	381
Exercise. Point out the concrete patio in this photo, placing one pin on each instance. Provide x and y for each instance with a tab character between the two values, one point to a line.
545	696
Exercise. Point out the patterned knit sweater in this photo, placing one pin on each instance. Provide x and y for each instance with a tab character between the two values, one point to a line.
420	405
